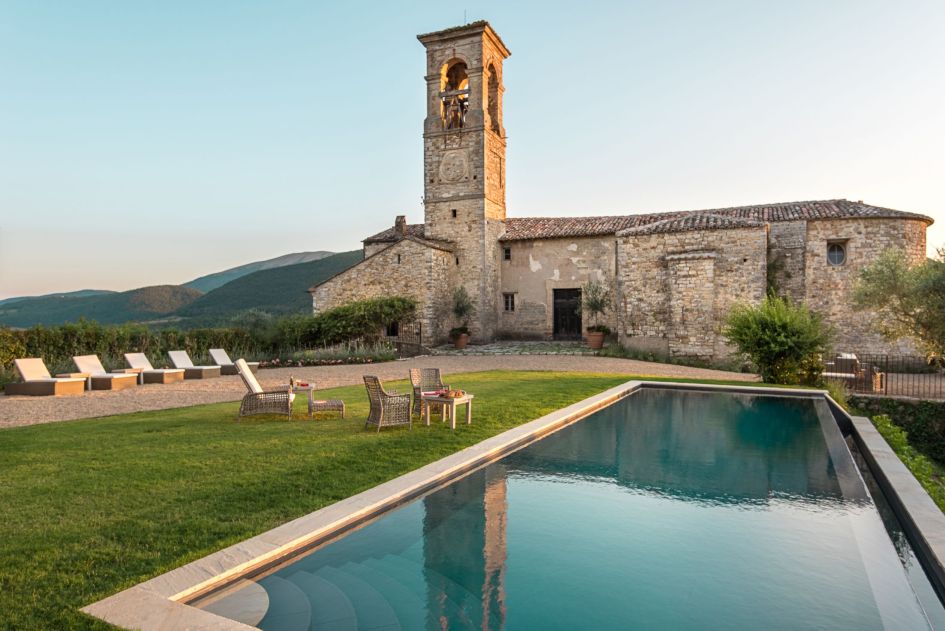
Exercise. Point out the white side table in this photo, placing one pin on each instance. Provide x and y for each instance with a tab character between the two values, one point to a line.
448	404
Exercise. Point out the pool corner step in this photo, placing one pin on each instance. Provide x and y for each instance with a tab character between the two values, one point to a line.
289	607
460	605
370	606
331	608
409	607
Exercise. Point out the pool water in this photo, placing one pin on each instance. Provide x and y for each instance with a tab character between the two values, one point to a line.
667	510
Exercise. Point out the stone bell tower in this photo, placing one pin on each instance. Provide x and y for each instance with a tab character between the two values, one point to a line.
464	158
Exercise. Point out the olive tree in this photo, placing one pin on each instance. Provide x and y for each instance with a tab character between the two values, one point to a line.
908	300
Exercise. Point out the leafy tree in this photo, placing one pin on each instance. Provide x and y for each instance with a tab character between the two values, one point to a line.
909	301
595	302
463	309
785	341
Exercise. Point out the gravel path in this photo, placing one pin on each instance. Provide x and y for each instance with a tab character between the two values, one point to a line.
19	410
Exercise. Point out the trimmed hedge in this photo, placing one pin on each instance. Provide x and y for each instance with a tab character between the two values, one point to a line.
263	339
923	421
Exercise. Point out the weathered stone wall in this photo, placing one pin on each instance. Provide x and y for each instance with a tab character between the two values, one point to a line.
370	249
537	268
675	289
464	169
786	241
829	288
406	269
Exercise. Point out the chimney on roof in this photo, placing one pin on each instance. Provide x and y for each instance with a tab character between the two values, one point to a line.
400	225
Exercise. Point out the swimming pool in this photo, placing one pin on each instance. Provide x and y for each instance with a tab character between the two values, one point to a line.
667	509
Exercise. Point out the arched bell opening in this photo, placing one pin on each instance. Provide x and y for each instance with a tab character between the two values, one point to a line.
454	94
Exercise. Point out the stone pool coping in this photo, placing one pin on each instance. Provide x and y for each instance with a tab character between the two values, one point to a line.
158	604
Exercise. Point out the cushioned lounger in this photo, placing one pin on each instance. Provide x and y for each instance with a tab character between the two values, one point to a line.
102	379
227	367
37	382
181	359
140	363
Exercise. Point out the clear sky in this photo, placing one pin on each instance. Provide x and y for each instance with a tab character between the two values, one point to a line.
152	142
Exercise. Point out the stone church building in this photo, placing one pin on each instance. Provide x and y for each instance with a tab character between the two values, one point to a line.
674	275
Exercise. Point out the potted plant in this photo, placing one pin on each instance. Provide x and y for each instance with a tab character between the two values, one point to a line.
595	302
463	309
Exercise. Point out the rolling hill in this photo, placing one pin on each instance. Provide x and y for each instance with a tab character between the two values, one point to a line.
81	293
218	279
276	291
143	304
275	285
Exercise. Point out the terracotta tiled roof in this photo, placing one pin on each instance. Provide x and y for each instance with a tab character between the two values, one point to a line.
518	229
525	228
695	221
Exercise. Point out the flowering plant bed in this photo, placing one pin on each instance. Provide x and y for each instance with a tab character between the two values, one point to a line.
319	361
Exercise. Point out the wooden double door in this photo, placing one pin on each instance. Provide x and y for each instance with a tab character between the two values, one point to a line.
567	314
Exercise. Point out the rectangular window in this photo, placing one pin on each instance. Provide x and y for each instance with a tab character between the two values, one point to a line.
453	210
509	300
398	259
507	253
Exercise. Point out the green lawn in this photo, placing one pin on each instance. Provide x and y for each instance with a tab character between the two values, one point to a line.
90	507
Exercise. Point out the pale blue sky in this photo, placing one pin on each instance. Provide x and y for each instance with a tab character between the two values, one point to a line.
152	142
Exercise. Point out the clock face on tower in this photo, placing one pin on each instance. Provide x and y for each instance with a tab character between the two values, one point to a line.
454	166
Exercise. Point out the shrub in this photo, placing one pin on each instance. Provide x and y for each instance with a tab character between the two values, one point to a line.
923	420
463	308
595	302
839	393
926	472
347	353
783	340
364	319
262	337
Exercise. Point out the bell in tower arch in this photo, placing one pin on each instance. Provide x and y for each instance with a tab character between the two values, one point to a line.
454	94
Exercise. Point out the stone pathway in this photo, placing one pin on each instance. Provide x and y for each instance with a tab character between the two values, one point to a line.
18	410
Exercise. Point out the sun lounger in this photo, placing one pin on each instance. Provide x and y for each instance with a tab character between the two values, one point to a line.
259	401
101	379
37	381
227	367
181	359
140	364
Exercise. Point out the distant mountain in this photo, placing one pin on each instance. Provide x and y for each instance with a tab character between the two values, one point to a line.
212	281
276	291
82	293
144	304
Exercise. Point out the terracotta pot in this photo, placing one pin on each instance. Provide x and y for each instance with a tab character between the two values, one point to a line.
461	340
595	339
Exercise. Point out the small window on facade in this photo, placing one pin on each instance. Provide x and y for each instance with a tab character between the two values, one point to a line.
398	259
509	301
507	253
457	260
836	253
453	210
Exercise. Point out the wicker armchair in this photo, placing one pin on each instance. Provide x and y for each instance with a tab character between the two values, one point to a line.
387	409
259	401
424	380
